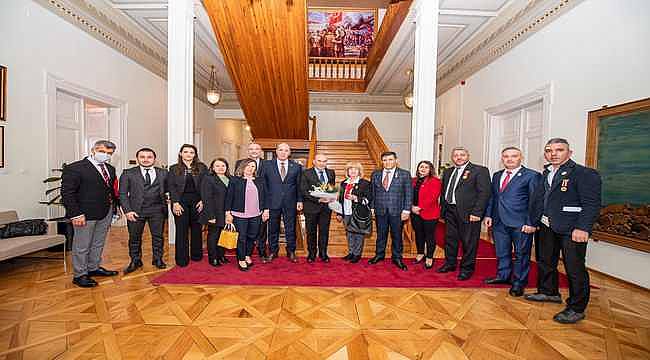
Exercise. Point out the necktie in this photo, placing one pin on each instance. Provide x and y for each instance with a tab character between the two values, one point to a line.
105	175
321	177
283	171
147	177
505	181
449	197
384	182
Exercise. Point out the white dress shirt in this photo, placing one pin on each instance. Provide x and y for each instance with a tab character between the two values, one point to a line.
459	170
324	171
152	173
286	166
513	172
551	174
391	174
96	164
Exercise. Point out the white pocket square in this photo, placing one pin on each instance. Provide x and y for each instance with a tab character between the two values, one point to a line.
572	208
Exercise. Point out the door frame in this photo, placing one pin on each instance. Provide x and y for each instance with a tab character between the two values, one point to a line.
53	84
543	94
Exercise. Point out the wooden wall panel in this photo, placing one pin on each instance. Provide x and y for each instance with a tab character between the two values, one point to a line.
265	49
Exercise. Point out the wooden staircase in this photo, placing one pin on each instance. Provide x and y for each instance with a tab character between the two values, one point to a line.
339	153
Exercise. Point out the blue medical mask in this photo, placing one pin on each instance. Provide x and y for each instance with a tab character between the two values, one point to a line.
101	157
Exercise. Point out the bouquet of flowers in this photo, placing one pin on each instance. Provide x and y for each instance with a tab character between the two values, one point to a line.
325	191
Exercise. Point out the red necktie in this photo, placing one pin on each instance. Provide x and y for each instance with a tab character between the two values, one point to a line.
105	175
505	181
384	182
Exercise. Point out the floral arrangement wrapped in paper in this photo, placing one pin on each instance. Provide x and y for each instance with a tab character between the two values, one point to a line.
325	191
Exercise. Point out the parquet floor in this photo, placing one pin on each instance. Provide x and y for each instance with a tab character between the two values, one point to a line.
43	316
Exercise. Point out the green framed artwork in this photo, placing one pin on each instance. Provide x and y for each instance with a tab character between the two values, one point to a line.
618	147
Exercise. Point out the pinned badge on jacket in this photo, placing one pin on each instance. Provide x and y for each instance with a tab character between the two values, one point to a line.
466	175
565	183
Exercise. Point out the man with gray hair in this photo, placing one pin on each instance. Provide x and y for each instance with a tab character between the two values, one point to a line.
88	190
565	206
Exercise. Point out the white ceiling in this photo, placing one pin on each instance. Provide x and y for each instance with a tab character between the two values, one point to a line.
459	21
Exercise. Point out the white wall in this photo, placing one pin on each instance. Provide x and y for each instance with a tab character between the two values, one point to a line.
394	127
596	54
35	41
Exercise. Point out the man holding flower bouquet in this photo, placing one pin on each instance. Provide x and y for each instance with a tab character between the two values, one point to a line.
318	189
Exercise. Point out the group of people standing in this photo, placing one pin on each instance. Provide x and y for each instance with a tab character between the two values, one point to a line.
557	208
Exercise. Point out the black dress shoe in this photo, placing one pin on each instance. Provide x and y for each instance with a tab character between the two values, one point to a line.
348	257
568	316
539	297
133	266
516	291
242	268
400	264
496	281
310	259
464	276
416	261
224	260
274	255
427	266
215	262
325	259
375	260
159	263
292	257
355	259
84	281
446	268
102	272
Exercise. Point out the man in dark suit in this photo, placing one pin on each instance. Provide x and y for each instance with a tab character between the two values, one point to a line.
317	213
143	200
90	201
392	197
509	216
283	198
255	152
466	192
565	206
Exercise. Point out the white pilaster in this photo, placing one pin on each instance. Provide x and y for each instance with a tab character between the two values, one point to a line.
424	82
180	81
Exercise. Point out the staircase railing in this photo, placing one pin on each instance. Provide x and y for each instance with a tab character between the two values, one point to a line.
337	68
312	142
369	134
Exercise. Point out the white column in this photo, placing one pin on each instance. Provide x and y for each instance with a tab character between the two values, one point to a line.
424	82
180	82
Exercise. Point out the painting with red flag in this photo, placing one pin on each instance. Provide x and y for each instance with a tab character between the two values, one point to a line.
341	33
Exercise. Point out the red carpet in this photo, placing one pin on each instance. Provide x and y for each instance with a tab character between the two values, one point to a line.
337	273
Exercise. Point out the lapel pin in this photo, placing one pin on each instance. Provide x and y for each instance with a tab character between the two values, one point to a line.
563	188
519	174
563	173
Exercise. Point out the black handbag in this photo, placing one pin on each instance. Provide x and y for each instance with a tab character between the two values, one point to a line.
361	219
24	228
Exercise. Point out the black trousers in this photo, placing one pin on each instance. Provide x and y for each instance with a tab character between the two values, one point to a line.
214	250
156	221
318	232
188	221
425	235
465	232
262	239
573	253
248	229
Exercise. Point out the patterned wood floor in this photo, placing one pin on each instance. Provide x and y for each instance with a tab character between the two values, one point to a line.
43	316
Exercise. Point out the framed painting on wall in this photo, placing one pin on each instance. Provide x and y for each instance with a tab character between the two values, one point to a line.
341	33
618	147
3	93
2	147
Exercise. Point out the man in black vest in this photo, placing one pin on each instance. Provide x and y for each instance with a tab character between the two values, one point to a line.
565	205
88	194
466	194
142	196
317	212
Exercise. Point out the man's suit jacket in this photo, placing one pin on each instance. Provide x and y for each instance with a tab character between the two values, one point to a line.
472	191
84	191
176	183
282	194
132	188
308	180
399	196
573	200
512	206
260	168
213	194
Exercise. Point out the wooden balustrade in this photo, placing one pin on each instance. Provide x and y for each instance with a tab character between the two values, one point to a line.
312	142
369	134
337	68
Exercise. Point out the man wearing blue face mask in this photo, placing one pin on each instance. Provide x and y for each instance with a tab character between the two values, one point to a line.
88	190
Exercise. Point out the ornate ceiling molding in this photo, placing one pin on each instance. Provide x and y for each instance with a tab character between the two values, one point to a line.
508	30
114	29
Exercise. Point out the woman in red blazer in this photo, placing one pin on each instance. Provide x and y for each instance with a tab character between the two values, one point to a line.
425	211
